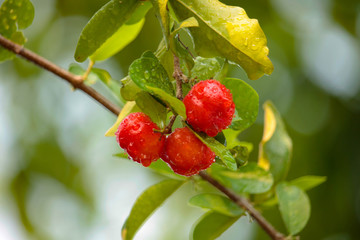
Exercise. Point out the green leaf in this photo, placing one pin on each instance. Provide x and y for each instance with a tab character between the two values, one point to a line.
276	146
98	75
129	89
148	72
190	22
246	102
161	167
206	68
233	141
155	110
14	15
247	179
211	225
124	35
175	104
163	16
307	182
146	204
129	107
217	203
103	25
227	31
219	149
294	207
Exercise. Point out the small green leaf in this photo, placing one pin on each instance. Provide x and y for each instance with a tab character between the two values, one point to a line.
103	25
190	22
217	203
211	225
129	107
294	207
146	204
276	146
14	15
175	104
155	110
163	16
161	167
206	68
148	72
307	182
226	31
124	35
247	179
129	89
98	75
233	141
246	102
219	149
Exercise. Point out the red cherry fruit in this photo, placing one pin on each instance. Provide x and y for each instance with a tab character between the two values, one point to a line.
209	107
185	153
137	137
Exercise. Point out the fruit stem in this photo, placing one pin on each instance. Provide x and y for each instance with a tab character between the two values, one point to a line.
179	77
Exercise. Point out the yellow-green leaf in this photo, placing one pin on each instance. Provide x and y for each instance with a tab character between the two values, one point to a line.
227	31
127	109
163	16
124	35
276	146
146	204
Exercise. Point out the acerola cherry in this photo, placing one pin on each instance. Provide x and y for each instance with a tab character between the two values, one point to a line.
209	107
185	153
137	137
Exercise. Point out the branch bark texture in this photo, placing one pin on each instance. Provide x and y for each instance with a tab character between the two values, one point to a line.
77	83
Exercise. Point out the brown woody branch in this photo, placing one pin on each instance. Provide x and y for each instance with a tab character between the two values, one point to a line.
77	83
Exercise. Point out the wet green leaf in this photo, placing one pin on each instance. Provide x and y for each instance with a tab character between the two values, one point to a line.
175	104
217	203
246	102
247	179
112	15
219	149
206	68
14	15
307	182
155	110
211	225
294	207
276	146
146	204
147	71
227	31
124	35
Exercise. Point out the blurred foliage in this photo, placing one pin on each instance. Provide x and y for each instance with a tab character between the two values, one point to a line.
322	122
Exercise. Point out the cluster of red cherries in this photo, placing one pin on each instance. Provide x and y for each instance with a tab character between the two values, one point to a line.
209	108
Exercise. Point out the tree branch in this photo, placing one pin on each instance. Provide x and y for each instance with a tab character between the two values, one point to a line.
245	204
77	82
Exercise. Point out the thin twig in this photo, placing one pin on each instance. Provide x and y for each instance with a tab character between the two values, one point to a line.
245	204
168	128
186	47
76	82
178	75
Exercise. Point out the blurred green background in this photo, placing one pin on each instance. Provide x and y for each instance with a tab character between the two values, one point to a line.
59	180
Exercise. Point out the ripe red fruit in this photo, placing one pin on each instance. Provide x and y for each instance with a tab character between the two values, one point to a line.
137	137
185	153
209	107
